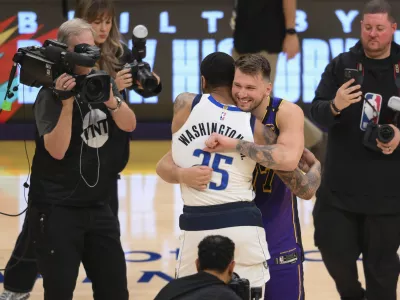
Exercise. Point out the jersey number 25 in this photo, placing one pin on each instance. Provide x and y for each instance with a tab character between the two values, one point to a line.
215	166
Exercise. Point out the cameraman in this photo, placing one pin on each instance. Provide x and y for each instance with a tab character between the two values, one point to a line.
69	218
21	271
358	204
215	266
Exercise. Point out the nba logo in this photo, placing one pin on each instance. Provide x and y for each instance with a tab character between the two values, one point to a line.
223	114
370	114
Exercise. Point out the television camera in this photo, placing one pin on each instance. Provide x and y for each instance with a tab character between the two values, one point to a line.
41	66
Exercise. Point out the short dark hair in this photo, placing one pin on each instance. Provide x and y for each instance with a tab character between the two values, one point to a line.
215	253
218	69
254	64
379	7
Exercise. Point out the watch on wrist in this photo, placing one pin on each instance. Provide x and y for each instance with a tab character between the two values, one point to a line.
119	103
291	31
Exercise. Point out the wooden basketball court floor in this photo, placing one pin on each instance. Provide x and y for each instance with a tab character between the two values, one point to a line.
149	212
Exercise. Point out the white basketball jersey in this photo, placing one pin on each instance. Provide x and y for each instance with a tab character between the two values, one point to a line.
233	173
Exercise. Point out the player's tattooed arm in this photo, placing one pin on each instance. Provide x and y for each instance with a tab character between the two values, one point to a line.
265	154
278	153
182	108
276	156
303	185
183	101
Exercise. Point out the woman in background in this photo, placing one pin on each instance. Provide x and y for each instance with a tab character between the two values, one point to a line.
114	55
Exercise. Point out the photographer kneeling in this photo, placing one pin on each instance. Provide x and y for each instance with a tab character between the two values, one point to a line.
215	266
69	218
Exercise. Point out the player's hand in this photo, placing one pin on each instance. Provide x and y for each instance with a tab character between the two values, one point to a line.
123	79
65	83
346	95
220	143
388	148
196	177
307	160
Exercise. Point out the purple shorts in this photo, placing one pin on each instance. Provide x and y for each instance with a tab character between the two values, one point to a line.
287	280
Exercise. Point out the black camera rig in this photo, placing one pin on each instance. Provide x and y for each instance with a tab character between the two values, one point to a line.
41	66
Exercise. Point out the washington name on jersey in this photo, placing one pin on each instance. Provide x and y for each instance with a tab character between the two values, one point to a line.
231	179
206	129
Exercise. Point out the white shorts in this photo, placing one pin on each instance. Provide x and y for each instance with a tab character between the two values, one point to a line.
251	252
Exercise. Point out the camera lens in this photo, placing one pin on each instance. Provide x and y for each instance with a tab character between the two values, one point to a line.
147	79
96	88
385	134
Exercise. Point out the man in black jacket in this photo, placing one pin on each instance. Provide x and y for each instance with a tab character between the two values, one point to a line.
358	204
215	265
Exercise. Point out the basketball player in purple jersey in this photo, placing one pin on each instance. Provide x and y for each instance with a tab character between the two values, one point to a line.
278	205
302	185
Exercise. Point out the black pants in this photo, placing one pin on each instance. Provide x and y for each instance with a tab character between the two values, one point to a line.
342	236
21	270
64	237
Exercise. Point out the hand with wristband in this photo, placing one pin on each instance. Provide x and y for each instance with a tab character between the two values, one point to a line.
62	88
345	96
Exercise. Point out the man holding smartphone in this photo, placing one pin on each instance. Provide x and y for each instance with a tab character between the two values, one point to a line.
358	204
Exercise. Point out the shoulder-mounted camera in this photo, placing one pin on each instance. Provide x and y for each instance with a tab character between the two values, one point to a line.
41	66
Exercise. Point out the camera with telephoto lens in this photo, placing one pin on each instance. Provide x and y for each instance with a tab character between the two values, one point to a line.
140	69
384	133
240	286
41	66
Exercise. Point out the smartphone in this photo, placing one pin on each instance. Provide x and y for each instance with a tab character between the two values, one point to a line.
353	73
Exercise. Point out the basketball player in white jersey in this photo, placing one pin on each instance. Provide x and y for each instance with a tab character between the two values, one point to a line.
226	207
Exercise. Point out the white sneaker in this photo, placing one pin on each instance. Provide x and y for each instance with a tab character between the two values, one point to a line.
7	295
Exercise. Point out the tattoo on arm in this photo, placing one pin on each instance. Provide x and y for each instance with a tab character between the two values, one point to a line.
270	137
182	101
260	154
302	185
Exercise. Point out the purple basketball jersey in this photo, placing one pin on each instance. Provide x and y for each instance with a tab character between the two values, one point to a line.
278	207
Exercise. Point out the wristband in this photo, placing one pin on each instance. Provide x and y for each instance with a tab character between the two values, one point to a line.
337	110
63	95
291	31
